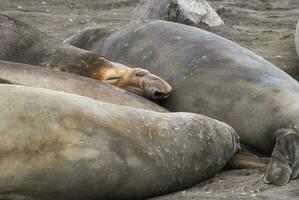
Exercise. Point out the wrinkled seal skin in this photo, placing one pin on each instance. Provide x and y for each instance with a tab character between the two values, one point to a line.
22	43
29	75
218	78
62	146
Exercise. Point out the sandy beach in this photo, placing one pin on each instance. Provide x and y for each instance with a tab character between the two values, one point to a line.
267	27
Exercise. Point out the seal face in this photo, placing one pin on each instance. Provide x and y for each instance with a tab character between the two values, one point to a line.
102	151
23	44
218	78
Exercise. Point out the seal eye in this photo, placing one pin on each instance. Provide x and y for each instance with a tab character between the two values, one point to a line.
141	74
112	78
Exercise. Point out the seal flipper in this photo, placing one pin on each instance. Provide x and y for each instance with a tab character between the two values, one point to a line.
248	158
243	161
284	163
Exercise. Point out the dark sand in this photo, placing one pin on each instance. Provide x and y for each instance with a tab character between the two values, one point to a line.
267	27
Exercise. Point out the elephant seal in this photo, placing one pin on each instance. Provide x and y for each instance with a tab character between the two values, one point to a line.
220	79
60	146
34	76
23	44
297	39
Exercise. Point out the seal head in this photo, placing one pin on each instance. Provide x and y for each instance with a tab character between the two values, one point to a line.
136	80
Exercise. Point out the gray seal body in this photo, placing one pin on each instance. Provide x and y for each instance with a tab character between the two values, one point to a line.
63	147
220	79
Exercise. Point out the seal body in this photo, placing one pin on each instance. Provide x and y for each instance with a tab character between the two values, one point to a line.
63	146
29	75
218	78
22	43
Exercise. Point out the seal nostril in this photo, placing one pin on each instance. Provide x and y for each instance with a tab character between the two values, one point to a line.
158	94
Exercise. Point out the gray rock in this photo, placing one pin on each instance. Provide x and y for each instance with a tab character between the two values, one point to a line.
181	11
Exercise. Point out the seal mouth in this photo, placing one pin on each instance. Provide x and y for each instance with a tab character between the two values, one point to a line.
156	94
155	88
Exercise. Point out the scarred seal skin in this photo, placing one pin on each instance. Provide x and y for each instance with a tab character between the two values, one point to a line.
63	146
220	79
29	75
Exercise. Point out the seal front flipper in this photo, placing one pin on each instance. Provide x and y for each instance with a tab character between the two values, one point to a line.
284	163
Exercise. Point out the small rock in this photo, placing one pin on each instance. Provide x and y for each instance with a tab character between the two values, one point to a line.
181	11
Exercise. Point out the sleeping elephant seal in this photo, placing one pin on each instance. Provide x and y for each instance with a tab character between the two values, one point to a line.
23	44
29	75
218	78
62	146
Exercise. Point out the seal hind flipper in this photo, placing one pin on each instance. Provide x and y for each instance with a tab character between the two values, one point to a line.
284	163
242	161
